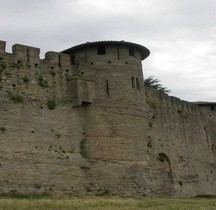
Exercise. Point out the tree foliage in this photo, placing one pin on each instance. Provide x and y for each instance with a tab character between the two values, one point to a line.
155	84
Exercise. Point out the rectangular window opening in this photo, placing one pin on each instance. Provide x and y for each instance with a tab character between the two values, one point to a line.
59	60
118	53
213	107
131	52
107	87
85	56
27	55
72	59
101	50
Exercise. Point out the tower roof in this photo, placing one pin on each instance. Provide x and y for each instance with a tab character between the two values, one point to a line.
143	50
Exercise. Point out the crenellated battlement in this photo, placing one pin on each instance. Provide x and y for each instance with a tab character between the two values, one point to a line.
160	99
2	46
23	73
24	53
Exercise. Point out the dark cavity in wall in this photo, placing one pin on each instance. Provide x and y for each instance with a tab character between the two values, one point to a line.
101	50
27	55
85	56
131	52
72	59
118	53
107	87
59	60
213	107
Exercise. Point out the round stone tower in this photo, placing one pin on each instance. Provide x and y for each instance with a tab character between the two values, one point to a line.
116	69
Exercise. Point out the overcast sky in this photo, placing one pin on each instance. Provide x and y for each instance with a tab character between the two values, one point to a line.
181	34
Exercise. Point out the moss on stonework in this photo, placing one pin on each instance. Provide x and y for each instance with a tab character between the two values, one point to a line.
25	79
163	157
51	104
17	65
42	82
16	99
154	105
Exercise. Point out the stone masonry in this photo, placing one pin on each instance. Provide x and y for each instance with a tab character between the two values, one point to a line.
81	122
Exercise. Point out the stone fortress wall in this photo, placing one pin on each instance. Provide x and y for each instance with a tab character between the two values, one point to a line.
82	122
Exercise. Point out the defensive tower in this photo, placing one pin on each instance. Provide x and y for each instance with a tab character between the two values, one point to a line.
116	68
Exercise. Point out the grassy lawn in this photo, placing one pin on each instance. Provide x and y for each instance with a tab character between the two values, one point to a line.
105	203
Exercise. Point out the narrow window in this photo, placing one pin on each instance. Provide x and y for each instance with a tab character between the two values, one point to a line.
107	87
85	56
137	84
72	59
131	52
101	50
133	82
59	60
27	55
118	53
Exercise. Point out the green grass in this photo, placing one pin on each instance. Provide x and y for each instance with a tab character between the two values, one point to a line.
105	203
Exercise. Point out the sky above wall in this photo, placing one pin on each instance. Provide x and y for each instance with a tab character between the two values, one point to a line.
181	34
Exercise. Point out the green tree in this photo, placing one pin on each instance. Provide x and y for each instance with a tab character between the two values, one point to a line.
155	84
